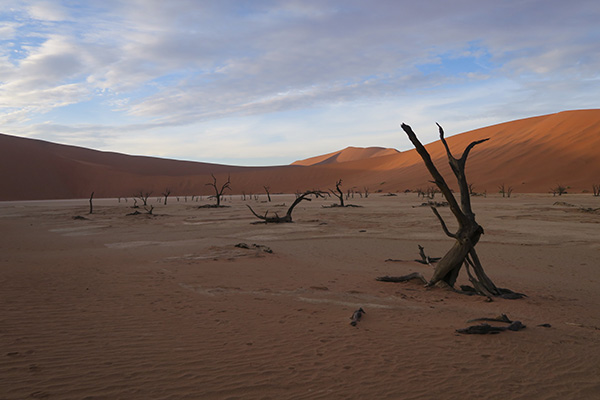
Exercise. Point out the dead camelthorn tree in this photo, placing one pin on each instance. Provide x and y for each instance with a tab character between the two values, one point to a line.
559	190
143	196
596	189
469	231
505	190
166	193
338	192
268	193
91	206
219	192
288	215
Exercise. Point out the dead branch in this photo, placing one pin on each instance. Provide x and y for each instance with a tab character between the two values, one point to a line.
426	259
288	215
484	329
403	278
91	206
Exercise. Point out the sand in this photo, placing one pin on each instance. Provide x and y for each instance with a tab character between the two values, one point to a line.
166	307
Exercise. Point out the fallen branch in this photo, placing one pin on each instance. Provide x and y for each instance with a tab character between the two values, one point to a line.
499	318
426	259
288	216
484	329
403	278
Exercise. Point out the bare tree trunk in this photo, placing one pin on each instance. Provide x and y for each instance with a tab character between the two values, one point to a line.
469	231
91	205
338	192
166	193
268	193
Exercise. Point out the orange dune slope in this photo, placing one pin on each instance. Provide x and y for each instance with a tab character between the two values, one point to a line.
531	155
348	154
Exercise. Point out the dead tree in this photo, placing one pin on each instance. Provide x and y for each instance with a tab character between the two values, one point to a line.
366	189
166	193
219	192
559	190
471	190
338	192
268	193
596	189
469	231
91	206
288	215
505	190
143	196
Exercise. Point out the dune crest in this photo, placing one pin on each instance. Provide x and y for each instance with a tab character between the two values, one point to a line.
348	154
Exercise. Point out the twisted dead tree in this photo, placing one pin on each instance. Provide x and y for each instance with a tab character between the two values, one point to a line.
219	192
143	196
268	193
288	215
91	205
469	231
166	193
338	192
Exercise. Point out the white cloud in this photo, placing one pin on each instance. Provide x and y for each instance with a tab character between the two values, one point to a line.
47	11
335	69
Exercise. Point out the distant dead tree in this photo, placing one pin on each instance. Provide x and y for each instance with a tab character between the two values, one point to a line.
596	189
288	215
143	196
219	192
505	190
558	190
338	192
366	189
91	206
468	233
471	189
166	193
268	193
431	191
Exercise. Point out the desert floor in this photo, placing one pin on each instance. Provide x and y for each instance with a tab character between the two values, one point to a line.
166	307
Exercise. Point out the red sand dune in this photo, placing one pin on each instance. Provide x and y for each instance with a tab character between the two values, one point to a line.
348	154
532	155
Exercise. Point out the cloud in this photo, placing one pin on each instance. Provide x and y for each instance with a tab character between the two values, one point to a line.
184	66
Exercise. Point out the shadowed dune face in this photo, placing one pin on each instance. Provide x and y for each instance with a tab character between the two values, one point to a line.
531	155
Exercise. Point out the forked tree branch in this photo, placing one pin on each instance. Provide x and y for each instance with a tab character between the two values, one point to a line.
437	177
444	227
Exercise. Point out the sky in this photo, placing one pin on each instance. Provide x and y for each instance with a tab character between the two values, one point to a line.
271	82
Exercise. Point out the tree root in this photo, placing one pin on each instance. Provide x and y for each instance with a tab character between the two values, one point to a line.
403	278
